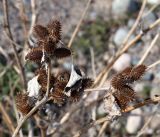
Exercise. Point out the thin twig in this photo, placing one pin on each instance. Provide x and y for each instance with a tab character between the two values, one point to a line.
23	16
153	65
79	23
103	75
148	49
155	109
7	28
93	62
102	129
136	23
141	104
33	18
6	118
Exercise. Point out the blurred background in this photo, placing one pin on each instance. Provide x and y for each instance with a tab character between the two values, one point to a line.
101	34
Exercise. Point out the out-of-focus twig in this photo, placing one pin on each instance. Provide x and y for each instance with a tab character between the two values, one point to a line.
153	65
93	62
102	128
79	23
23	16
8	31
6	118
143	129
103	75
149	49
136	23
155	100
34	16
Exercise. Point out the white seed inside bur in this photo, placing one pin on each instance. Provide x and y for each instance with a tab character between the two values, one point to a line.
33	87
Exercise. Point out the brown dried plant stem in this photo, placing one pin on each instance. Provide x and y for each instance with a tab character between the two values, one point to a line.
103	75
148	49
155	100
38	105
33	18
79	23
6	118
7	28
23	16
135	24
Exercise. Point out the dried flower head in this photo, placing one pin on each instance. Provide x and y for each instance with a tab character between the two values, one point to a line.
35	55
40	31
62	52
54	27
23	103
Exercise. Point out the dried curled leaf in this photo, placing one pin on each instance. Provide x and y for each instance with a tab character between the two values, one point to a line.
111	107
62	52
54	27
35	55
23	103
40	31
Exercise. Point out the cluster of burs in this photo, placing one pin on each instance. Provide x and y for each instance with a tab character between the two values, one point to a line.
66	85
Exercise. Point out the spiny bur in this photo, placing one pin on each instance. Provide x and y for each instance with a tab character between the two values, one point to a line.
22	103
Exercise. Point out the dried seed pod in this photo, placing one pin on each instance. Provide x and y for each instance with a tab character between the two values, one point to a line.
47	45
40	31
62	52
57	96
54	28
42	79
63	76
118	81
138	72
123	78
126	71
87	83
22	103
35	55
76	96
124	96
